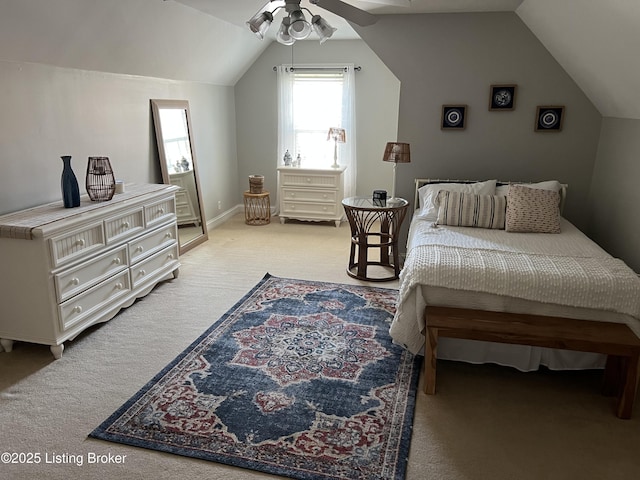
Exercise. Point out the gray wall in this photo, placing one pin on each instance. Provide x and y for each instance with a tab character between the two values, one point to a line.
51	111
454	58
615	196
377	96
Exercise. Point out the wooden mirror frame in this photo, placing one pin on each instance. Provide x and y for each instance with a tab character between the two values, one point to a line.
156	106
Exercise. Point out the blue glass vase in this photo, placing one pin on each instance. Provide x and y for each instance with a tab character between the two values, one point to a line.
69	184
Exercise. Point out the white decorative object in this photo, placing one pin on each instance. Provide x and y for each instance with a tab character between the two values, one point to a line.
311	194
69	269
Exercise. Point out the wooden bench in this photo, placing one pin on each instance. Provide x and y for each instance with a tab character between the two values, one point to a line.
615	340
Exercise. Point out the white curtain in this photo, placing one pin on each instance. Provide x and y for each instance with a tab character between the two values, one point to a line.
348	149
285	111
286	134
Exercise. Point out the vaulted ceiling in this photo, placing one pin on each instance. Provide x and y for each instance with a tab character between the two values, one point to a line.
596	41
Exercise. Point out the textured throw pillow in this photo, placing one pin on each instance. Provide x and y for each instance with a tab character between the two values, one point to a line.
469	210
532	210
427	195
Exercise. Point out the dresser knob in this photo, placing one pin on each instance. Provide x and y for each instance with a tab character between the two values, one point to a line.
168	235
161	211
75	281
118	286
77	309
325	196
170	256
125	225
139	248
142	273
117	261
80	242
308	180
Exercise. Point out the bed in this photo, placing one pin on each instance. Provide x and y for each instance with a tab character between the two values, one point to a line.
505	279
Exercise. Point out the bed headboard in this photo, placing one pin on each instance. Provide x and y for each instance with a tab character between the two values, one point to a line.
420	182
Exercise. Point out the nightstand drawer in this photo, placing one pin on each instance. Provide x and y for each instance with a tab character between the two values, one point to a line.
316	180
310	195
316	210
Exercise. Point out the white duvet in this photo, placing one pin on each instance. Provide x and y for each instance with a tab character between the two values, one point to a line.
563	274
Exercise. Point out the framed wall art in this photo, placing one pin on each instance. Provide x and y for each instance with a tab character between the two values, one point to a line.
549	118
454	117
502	97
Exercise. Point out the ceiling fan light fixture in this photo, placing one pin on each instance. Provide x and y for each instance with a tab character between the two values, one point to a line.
322	28
299	28
260	22
283	36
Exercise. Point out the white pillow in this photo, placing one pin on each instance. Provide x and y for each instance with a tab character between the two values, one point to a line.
428	194
552	185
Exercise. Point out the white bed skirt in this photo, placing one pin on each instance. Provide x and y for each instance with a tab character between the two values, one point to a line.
522	357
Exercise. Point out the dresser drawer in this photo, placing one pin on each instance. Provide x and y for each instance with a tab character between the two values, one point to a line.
83	306
152	242
77	244
310	180
160	212
310	195
314	210
160	261
77	279
124	225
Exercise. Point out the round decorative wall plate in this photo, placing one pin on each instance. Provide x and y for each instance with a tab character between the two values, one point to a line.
549	118
453	117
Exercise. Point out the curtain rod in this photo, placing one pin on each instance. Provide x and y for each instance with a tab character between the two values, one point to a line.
357	69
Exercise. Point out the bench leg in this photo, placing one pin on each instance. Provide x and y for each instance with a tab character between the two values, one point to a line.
430	359
613	373
628	391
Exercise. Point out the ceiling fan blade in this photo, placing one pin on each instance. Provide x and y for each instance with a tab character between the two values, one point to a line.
346	11
395	3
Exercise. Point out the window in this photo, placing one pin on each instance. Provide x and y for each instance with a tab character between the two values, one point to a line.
317	106
310	101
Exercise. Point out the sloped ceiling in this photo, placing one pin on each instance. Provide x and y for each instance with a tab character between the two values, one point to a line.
596	41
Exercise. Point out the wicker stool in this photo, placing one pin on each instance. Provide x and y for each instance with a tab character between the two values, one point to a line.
257	208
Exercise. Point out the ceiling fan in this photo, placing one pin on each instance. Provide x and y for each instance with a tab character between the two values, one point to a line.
296	27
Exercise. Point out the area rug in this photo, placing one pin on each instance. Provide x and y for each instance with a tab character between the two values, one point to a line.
298	379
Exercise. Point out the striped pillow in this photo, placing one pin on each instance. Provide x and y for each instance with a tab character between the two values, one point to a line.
470	210
532	210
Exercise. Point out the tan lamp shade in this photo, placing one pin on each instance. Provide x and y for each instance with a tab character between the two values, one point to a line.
397	153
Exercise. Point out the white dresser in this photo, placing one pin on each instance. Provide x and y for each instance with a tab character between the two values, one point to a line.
186	198
65	269
311	194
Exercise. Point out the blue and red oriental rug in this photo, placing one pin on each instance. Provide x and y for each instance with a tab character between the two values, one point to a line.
298	379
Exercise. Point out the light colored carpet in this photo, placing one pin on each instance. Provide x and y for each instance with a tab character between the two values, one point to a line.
485	422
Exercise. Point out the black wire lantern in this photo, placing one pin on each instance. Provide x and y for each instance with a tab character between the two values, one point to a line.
100	183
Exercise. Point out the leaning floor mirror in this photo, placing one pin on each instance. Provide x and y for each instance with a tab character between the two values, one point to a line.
172	121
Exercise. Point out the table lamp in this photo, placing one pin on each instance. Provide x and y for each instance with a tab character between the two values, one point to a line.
397	153
338	135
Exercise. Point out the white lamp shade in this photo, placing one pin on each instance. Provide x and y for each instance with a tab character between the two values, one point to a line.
283	36
299	28
322	28
260	22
